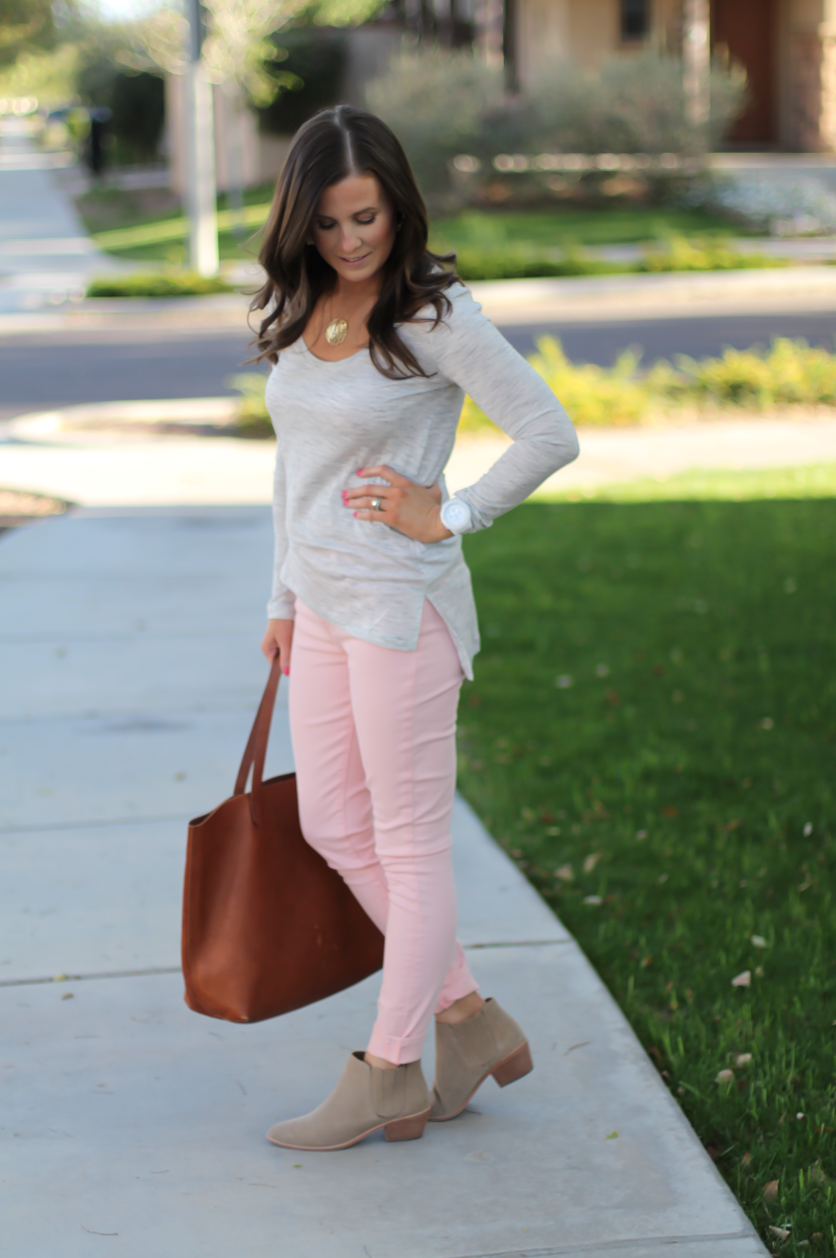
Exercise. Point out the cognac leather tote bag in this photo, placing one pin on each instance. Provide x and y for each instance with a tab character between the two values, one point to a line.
268	926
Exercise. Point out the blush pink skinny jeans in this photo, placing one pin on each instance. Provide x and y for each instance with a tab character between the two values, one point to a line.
373	733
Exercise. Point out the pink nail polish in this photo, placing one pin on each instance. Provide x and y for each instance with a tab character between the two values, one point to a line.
355	513
359	471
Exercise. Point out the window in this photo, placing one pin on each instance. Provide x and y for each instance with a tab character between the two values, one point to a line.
635	19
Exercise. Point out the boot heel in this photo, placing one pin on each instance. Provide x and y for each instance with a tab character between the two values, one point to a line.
519	1063
411	1128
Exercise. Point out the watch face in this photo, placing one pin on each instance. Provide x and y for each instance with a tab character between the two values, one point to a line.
456	514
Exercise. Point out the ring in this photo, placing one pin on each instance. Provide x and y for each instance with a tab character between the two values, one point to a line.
376	504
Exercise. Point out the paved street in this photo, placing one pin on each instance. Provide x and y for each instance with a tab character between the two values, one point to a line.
63	368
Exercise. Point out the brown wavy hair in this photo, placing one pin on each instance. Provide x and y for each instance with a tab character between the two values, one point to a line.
329	147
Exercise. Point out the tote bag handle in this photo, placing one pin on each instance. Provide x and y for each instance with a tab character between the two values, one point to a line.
256	748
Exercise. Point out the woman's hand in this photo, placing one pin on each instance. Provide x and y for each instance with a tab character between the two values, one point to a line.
277	639
411	509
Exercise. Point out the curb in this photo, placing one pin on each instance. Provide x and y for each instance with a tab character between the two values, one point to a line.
91	421
504	301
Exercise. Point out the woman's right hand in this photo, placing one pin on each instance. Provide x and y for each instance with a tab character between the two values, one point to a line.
277	639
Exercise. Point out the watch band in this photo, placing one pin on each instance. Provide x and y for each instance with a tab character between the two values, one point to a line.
455	515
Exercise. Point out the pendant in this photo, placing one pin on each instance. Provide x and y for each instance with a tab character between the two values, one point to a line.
336	332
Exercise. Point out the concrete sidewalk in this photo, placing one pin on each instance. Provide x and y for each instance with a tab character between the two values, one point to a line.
131	670
107	454
46	256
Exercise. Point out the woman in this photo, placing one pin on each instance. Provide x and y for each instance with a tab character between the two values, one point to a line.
375	344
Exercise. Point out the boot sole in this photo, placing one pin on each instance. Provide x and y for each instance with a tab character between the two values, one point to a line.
515	1066
409	1128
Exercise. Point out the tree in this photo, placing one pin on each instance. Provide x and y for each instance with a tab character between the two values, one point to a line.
25	25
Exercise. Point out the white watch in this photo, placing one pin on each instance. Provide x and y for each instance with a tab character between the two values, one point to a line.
455	515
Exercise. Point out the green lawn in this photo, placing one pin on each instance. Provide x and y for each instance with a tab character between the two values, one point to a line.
565	226
150	227
651	735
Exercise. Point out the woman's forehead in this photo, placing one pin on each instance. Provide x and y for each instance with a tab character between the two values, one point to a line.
349	196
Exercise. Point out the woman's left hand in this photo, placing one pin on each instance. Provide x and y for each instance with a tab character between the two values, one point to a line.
411	509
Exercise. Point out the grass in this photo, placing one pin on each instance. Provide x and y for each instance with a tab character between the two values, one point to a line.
651	736
149	226
816	481
565	227
157	284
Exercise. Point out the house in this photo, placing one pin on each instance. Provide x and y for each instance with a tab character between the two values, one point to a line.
788	48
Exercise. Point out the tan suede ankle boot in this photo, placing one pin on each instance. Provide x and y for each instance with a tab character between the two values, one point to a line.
489	1043
365	1099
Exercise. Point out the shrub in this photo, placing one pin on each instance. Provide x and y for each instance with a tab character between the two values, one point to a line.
442	104
157	284
507	264
703	255
790	373
252	418
437	104
631	105
602	396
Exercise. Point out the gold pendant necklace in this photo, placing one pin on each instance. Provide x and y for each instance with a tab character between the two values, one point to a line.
336	332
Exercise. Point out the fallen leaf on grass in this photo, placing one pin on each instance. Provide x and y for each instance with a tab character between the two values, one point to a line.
757	941
565	872
770	1191
743	1059
670	811
593	899
591	861
745	1160
817	1175
564	682
782	1233
742	980
725	1076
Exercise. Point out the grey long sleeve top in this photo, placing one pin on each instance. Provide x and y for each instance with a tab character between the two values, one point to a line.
332	418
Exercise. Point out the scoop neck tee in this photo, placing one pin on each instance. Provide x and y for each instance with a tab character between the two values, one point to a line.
333	417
